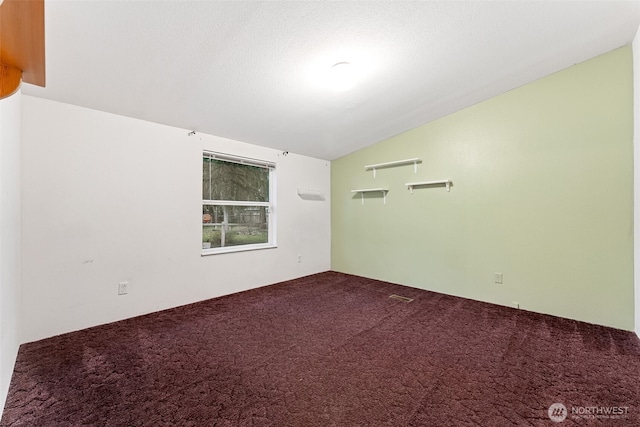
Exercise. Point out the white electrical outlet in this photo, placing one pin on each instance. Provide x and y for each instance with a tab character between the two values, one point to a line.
299	259
497	278
123	288
516	304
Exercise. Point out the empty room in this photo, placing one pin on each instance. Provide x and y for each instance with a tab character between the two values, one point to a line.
319	213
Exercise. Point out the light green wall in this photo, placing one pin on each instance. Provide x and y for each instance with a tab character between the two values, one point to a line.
542	192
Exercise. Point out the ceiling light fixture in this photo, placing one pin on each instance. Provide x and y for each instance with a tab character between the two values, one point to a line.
341	76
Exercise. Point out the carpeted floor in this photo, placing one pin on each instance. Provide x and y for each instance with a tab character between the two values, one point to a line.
330	350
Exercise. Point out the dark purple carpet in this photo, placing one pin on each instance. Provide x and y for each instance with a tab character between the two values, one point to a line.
330	350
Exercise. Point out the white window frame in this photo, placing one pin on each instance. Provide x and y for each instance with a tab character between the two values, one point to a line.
270	205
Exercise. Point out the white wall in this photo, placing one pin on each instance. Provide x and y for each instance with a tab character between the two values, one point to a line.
108	198
636	176
10	121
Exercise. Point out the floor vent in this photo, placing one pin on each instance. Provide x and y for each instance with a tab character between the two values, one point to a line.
399	298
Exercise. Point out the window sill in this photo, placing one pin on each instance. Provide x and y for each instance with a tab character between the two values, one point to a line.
241	248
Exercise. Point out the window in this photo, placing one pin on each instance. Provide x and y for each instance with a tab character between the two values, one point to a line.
237	204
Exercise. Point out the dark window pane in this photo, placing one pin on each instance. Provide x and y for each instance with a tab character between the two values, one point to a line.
233	181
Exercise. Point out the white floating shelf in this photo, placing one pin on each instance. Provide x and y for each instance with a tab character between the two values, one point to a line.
310	194
384	192
395	163
445	182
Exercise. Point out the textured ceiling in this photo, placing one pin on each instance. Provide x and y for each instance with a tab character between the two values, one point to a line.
252	71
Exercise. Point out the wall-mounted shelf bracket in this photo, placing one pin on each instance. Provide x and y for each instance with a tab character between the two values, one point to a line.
446	182
394	163
384	192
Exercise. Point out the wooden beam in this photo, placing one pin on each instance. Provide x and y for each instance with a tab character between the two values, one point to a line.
22	41
9	80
